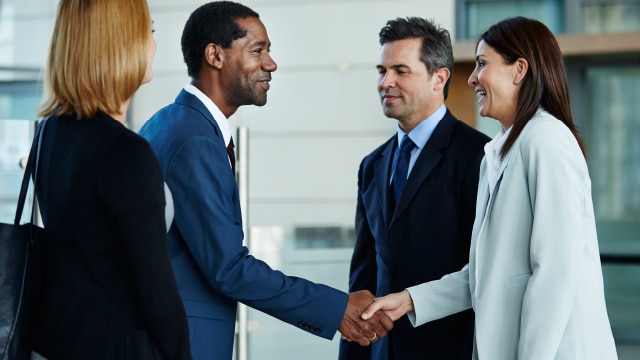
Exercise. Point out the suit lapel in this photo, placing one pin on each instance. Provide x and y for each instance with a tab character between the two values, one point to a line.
505	162
429	157
382	173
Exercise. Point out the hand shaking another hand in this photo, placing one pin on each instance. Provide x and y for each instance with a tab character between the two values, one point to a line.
363	331
393	305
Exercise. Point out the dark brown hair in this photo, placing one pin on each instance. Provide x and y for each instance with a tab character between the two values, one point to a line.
545	84
436	51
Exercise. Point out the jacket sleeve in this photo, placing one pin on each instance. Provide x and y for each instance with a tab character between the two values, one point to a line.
436	299
558	179
207	215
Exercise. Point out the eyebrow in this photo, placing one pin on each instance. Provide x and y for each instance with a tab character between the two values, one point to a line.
260	43
397	66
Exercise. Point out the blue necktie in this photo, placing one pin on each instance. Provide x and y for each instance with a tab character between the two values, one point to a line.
402	167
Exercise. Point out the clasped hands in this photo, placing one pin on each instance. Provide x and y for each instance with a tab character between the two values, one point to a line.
364	323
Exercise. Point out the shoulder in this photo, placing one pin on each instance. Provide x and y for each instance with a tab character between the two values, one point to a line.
178	124
467	140
466	129
547	145
469	133
546	133
127	147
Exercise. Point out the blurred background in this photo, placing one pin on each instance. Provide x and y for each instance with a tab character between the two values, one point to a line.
299	154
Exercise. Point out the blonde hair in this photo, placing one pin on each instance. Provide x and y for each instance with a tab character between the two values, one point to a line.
97	56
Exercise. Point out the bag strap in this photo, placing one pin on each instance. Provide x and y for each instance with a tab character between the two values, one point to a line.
32	167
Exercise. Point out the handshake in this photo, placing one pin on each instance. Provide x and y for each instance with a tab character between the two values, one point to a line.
364	324
354	328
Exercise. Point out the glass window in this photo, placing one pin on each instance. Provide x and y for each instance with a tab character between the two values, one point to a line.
611	16
614	163
15	142
480	14
320	254
18	105
614	149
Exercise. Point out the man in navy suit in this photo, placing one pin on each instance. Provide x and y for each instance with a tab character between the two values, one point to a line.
415	211
226	49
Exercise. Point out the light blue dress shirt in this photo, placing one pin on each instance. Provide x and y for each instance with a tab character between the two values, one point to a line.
419	135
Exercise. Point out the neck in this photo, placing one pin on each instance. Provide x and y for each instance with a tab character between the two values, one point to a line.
121	115
216	95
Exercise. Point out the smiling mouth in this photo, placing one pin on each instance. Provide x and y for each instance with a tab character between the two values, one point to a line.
265	84
387	98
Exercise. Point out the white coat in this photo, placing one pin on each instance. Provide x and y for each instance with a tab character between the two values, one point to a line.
534	276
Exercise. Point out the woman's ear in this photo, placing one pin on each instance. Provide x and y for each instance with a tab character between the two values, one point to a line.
213	55
521	66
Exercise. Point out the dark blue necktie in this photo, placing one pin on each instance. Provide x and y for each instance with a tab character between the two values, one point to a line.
402	167
232	155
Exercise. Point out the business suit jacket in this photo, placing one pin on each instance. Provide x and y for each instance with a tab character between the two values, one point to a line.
534	277
426	237
108	290
213	269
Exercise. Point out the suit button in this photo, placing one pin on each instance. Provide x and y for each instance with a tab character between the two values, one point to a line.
393	276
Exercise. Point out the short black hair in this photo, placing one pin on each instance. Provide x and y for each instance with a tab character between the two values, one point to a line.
436	49
214	22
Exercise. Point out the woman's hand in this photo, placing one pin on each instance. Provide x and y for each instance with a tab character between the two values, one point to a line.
394	305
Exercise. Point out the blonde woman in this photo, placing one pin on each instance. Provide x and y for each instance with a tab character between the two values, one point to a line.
108	289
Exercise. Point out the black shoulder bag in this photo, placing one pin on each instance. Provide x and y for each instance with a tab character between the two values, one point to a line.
19	244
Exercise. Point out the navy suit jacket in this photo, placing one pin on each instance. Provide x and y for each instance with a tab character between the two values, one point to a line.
426	237
212	267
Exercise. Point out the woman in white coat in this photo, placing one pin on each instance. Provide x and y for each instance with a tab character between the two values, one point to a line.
534	276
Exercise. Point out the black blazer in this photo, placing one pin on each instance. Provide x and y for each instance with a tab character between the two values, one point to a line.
109	291
426	237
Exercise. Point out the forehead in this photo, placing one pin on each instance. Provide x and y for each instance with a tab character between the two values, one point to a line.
256	32
485	50
405	51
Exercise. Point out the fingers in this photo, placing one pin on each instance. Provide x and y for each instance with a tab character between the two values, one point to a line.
386	321
379	323
372	309
394	305
373	338
354	328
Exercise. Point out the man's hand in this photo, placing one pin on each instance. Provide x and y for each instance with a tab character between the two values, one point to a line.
354	328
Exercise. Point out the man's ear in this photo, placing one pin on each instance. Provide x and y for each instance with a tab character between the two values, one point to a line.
442	75
213	55
520	70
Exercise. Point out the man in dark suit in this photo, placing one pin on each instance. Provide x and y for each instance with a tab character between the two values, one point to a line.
226	49
416	192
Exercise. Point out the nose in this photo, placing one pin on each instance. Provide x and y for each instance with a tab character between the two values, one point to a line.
386	81
269	64
473	78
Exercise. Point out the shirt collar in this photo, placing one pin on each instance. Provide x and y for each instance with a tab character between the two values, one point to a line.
494	146
223	122
422	132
